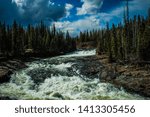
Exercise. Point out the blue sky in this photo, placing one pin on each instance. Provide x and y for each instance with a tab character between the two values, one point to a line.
71	15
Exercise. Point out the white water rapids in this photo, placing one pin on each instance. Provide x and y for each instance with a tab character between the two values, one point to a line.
55	78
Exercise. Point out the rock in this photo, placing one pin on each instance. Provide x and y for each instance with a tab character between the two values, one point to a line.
133	78
89	66
106	75
134	85
12	64
7	67
103	74
5	75
7	98
58	95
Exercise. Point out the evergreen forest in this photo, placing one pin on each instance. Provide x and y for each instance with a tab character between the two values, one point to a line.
40	41
128	41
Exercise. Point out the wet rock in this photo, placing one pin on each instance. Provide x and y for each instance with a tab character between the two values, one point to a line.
88	66
138	85
5	75
58	95
103	74
12	64
39	75
91	70
135	78
7	67
7	98
130	83
106	75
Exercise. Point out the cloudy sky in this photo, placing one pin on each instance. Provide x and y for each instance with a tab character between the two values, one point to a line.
71	15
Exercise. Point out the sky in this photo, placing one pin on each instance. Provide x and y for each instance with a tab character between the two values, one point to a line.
71	15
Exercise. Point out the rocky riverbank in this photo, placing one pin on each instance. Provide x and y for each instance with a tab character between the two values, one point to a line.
7	67
133	77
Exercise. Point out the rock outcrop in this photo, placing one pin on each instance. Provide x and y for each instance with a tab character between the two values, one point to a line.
5	75
134	84
8	67
89	66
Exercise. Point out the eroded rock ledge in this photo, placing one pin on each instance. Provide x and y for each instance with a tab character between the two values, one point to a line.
5	75
7	67
133	78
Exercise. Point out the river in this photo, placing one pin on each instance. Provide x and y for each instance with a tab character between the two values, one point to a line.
60	78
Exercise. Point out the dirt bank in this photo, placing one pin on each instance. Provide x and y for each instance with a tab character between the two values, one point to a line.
133	77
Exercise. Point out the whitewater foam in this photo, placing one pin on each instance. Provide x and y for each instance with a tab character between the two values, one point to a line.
62	66
81	53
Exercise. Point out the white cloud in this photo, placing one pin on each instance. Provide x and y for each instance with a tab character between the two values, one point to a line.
18	2
89	7
87	23
95	20
68	7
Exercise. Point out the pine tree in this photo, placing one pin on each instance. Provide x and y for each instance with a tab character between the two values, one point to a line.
53	30
0	38
9	39
20	41
109	44
30	36
4	40
140	37
47	40
120	42
149	13
14	39
145	46
114	42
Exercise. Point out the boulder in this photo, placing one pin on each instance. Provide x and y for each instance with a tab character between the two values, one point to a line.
107	75
5	75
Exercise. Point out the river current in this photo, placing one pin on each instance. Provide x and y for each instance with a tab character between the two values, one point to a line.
56	78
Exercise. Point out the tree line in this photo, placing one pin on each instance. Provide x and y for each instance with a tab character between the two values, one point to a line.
16	40
126	42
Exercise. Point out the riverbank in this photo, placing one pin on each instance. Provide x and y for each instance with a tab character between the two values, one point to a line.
133	77
71	76
78	75
8	67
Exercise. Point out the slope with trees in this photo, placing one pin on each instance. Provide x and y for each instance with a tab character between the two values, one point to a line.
17	41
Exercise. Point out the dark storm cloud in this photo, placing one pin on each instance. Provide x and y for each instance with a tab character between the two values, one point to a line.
8	11
37	10
30	11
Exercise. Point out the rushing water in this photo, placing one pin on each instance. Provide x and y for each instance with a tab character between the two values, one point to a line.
56	78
